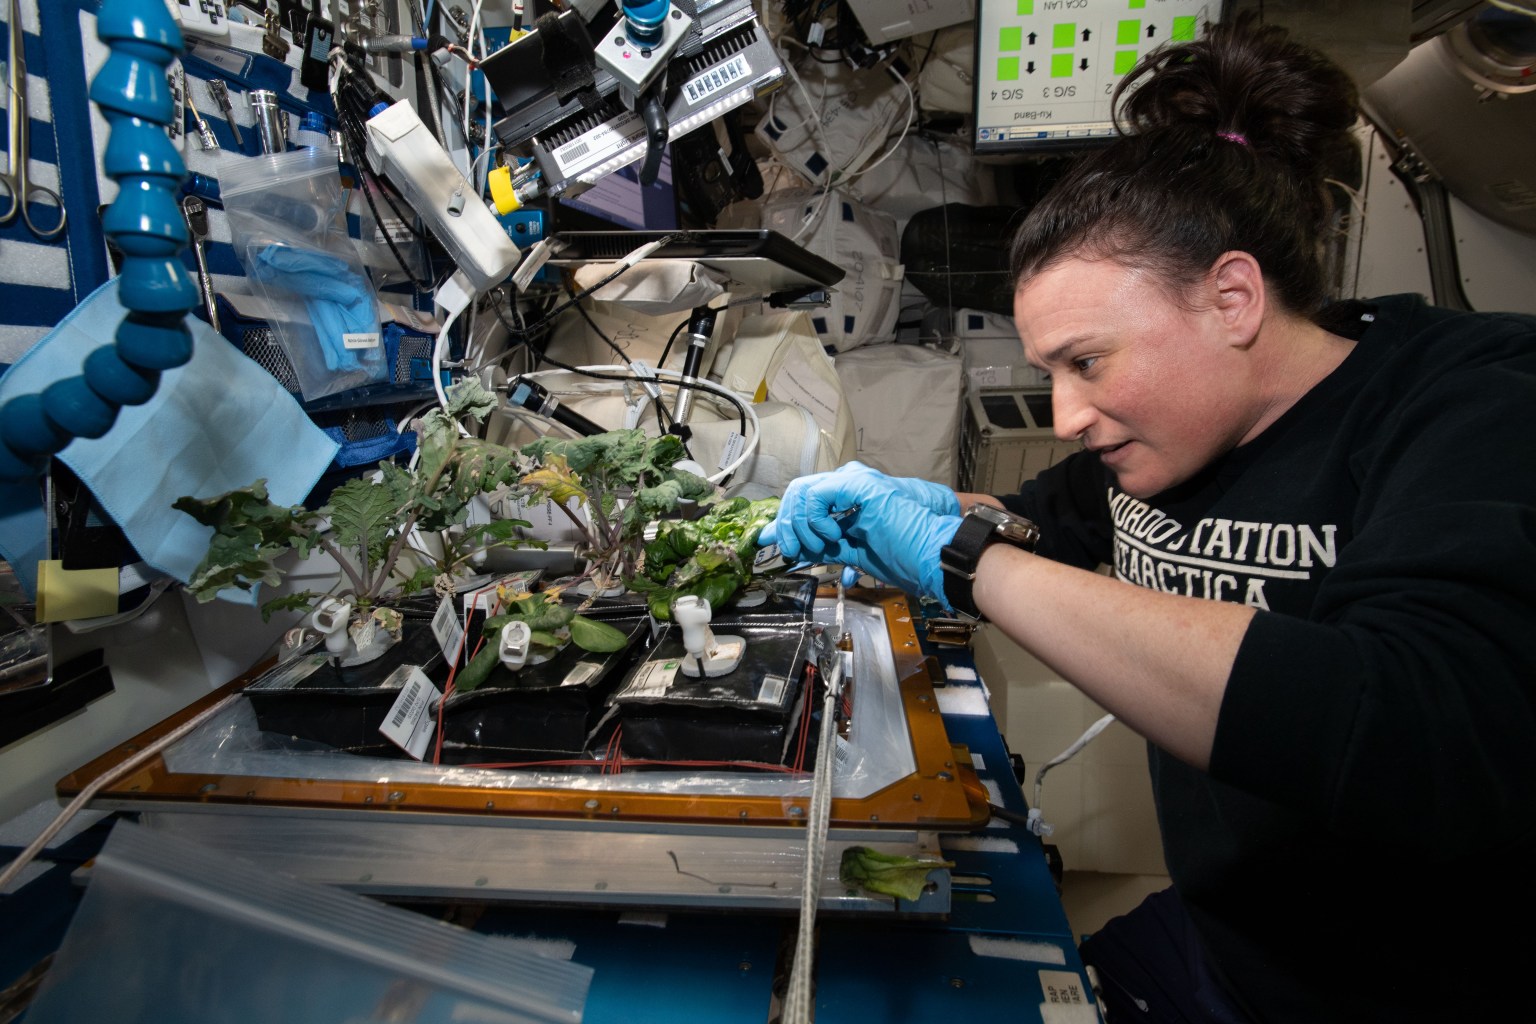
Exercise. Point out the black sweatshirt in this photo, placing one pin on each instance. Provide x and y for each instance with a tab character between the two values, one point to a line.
1368	823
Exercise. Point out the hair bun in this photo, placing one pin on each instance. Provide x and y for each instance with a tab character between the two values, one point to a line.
1244	80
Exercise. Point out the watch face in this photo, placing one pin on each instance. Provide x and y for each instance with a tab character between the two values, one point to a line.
996	516
1010	527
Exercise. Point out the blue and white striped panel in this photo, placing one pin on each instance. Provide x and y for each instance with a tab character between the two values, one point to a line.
37	286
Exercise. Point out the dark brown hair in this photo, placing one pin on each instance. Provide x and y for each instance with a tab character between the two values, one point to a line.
1224	145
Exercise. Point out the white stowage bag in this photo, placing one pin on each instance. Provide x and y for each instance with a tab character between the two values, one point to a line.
906	402
865	243
773	362
924	173
851	114
987	343
574	342
947	83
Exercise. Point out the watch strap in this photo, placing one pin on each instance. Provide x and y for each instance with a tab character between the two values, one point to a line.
959	559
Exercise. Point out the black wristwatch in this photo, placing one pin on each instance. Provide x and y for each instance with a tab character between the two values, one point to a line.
982	525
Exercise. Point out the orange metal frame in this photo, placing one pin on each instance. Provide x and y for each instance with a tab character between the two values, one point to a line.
943	793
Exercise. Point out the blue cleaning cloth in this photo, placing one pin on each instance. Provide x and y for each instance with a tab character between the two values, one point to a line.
338	301
217	423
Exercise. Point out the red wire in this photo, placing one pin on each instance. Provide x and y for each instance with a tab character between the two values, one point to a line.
766	766
453	670
805	718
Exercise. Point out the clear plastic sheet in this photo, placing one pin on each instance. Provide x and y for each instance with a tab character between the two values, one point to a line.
340	956
878	751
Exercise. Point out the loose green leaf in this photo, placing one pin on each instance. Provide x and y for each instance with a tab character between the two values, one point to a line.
885	873
592	635
480	666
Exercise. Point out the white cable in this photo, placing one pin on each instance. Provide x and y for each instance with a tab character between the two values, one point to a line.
911	117
1078	744
469	76
748	449
797	998
439	347
156	588
96	785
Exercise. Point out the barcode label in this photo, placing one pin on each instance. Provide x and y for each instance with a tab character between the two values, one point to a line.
406	704
716	78
599	144
409	724
448	630
734	445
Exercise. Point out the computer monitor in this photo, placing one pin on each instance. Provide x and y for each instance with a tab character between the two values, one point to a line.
1047	69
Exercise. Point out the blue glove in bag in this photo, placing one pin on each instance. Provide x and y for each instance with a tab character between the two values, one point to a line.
338	301
860	518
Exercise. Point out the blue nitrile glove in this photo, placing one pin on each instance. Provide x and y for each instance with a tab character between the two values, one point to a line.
338	300
860	519
851	478
932	496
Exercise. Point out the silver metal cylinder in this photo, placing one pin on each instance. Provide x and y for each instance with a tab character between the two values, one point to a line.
271	122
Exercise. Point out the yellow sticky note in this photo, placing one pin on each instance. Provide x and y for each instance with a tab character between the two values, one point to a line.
74	593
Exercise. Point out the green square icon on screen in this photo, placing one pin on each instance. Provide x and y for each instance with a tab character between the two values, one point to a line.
1064	35
1124	61
1183	29
1010	39
1137	5
1128	33
1007	69
1026	8
1061	65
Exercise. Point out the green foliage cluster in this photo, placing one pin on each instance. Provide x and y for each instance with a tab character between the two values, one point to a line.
624	479
600	471
370	517
550	623
886	873
709	557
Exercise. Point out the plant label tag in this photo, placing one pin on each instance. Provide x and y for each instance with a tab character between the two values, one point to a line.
653	679
448	630
772	690
409	723
582	673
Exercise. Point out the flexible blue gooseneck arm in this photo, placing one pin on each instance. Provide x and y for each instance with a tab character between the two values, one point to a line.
145	223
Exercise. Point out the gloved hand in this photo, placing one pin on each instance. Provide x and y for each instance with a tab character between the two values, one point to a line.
852	478
932	496
862	519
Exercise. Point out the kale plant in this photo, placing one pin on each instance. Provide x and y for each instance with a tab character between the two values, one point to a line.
624	480
367	521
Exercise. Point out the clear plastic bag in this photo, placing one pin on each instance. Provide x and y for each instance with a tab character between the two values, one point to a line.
285	222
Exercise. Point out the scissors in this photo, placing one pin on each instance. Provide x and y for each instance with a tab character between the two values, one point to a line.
18	184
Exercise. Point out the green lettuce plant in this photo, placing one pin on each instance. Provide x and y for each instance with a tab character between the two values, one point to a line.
710	557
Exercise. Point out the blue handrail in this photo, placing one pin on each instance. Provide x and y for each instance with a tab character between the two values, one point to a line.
145	223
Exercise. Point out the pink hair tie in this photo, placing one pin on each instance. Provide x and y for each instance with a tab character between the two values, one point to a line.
1237	137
